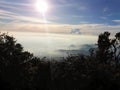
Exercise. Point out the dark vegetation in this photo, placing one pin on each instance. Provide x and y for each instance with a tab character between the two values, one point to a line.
100	70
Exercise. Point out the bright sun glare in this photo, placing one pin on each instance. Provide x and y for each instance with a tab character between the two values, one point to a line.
41	6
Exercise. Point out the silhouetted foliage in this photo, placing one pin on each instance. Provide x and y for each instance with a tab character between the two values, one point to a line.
108	49
18	68
100	70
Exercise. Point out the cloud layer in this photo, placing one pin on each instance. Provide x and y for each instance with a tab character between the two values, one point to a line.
62	18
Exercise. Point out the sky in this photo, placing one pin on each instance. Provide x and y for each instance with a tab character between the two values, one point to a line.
76	22
63	16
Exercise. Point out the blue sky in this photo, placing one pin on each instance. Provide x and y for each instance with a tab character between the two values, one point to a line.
89	16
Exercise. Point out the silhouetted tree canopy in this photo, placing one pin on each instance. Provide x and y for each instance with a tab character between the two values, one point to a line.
108	49
100	70
19	69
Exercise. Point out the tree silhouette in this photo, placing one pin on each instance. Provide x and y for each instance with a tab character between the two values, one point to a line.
104	44
108	49
19	69
12	61
100	70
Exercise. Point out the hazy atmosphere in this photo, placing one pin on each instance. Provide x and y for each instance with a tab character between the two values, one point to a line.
55	45
51	27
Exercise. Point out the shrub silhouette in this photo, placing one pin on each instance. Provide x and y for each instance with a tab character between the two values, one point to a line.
19	69
100	70
108	49
12	61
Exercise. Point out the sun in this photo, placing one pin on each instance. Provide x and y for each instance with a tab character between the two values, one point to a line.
41	6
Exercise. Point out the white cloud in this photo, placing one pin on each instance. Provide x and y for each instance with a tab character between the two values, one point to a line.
117	21
14	12
93	29
4	14
16	6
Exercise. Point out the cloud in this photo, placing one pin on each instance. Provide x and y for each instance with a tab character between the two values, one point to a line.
72	4
75	31
96	29
72	46
117	21
13	19
50	44
7	15
92	29
3	2
30	27
83	49
21	12
69	51
16	7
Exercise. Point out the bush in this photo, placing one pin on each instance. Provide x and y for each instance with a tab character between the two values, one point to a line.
100	70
